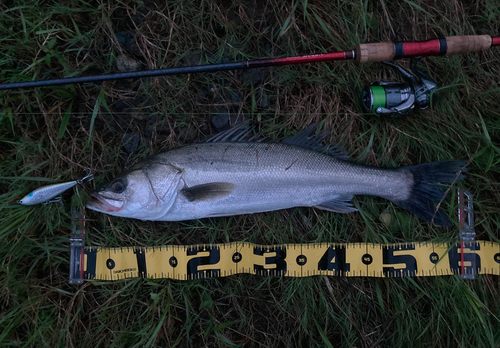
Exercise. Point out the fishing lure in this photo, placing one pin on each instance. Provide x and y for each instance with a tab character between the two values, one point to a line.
45	194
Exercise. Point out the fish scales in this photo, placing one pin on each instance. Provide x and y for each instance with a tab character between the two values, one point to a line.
274	176
281	162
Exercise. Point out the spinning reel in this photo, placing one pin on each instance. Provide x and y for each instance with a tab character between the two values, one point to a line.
399	98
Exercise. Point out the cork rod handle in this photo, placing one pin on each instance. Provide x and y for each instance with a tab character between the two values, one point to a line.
464	44
386	51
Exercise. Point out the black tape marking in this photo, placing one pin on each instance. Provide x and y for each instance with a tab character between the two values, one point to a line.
110	264
367	259
497	257
390	259
443	46
399	49
140	255
350	54
334	259
237	257
301	260
454	257
213	258
278	260
173	262
91	254
434	257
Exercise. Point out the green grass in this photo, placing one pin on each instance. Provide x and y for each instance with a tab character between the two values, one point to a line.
54	133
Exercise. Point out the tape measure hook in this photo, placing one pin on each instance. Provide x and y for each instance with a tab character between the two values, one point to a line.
467	233
77	245
466	215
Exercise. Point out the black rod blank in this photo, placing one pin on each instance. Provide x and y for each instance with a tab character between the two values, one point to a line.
127	75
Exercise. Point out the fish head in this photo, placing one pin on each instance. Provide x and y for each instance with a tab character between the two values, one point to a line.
146	191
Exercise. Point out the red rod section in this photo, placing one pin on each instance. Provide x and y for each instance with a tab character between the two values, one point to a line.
495	41
314	58
422	48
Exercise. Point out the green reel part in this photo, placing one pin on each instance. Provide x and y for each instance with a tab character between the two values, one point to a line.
372	98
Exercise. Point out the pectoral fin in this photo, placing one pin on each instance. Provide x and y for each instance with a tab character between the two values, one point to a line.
340	204
207	192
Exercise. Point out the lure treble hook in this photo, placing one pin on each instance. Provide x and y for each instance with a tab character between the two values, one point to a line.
88	176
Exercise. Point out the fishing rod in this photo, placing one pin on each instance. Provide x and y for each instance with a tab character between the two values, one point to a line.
363	53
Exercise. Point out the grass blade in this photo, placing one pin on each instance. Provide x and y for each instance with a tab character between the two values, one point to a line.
98	103
64	123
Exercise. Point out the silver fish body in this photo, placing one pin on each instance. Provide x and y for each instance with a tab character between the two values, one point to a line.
232	178
270	177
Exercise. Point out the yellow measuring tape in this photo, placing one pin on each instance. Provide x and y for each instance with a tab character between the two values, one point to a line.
291	260
183	262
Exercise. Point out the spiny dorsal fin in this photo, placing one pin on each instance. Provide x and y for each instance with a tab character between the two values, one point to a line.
241	132
207	192
236	134
302	139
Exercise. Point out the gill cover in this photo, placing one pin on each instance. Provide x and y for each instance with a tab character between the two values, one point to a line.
145	191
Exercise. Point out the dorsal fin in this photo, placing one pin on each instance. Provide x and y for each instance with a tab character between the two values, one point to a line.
241	132
302	139
236	134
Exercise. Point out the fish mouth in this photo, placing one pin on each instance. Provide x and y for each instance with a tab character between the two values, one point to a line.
103	204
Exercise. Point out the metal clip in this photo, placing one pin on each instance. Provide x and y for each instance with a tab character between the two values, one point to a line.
76	245
88	176
58	199
467	233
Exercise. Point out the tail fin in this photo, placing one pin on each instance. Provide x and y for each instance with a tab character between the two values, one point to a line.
425	191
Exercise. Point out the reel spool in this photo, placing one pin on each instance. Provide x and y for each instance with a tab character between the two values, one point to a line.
396	99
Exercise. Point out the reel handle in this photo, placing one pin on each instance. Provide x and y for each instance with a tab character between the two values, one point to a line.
387	51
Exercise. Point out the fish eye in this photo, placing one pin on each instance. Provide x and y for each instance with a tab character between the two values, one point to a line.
118	186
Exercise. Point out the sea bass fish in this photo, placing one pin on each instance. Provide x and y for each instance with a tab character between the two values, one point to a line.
230	176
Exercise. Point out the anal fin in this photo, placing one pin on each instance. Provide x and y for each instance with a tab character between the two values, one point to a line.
340	204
